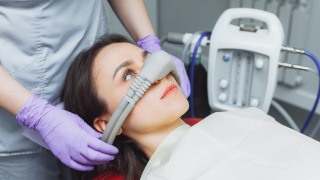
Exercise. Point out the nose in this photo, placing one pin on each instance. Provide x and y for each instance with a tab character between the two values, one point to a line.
162	79
157	81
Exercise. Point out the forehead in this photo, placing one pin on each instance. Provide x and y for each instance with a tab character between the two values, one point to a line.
117	53
113	55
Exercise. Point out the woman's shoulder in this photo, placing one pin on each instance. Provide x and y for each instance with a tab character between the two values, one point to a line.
235	120
246	113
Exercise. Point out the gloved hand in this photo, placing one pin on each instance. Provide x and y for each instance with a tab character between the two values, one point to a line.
152	44
74	142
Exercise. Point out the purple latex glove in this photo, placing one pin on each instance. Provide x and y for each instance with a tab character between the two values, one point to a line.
74	142
152	44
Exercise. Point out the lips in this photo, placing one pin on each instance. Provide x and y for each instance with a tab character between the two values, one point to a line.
170	89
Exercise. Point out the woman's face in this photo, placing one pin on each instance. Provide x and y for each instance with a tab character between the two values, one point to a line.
115	68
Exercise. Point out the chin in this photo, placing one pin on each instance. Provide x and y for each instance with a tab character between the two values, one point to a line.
180	108
186	109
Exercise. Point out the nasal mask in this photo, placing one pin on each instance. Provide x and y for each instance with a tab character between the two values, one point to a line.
156	66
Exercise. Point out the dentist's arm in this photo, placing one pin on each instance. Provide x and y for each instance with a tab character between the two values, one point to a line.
12	95
68	136
133	15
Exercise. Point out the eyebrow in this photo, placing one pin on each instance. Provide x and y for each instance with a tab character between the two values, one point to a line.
122	65
128	63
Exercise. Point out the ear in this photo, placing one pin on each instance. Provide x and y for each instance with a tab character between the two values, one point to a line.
101	122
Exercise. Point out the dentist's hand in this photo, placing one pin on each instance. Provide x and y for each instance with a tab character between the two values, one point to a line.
152	44
74	142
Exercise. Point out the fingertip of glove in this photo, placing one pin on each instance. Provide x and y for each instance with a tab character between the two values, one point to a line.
88	168
113	150
80	167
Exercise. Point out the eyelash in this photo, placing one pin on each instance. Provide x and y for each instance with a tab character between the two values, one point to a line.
128	71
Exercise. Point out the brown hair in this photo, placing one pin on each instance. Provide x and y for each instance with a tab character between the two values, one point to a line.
80	97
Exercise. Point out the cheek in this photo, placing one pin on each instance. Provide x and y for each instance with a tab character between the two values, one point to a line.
113	94
141	117
112	101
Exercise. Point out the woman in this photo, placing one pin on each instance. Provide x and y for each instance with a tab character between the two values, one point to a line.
96	82
154	142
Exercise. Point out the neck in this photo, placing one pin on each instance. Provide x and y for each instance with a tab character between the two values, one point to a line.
149	143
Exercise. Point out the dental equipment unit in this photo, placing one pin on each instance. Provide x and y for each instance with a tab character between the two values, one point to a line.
243	60
155	67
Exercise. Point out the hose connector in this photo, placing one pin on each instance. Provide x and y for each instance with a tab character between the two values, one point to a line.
293	50
294	66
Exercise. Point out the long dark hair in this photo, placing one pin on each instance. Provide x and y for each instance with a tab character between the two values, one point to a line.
80	97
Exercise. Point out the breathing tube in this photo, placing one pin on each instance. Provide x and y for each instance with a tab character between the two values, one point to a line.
305	125
316	61
192	67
